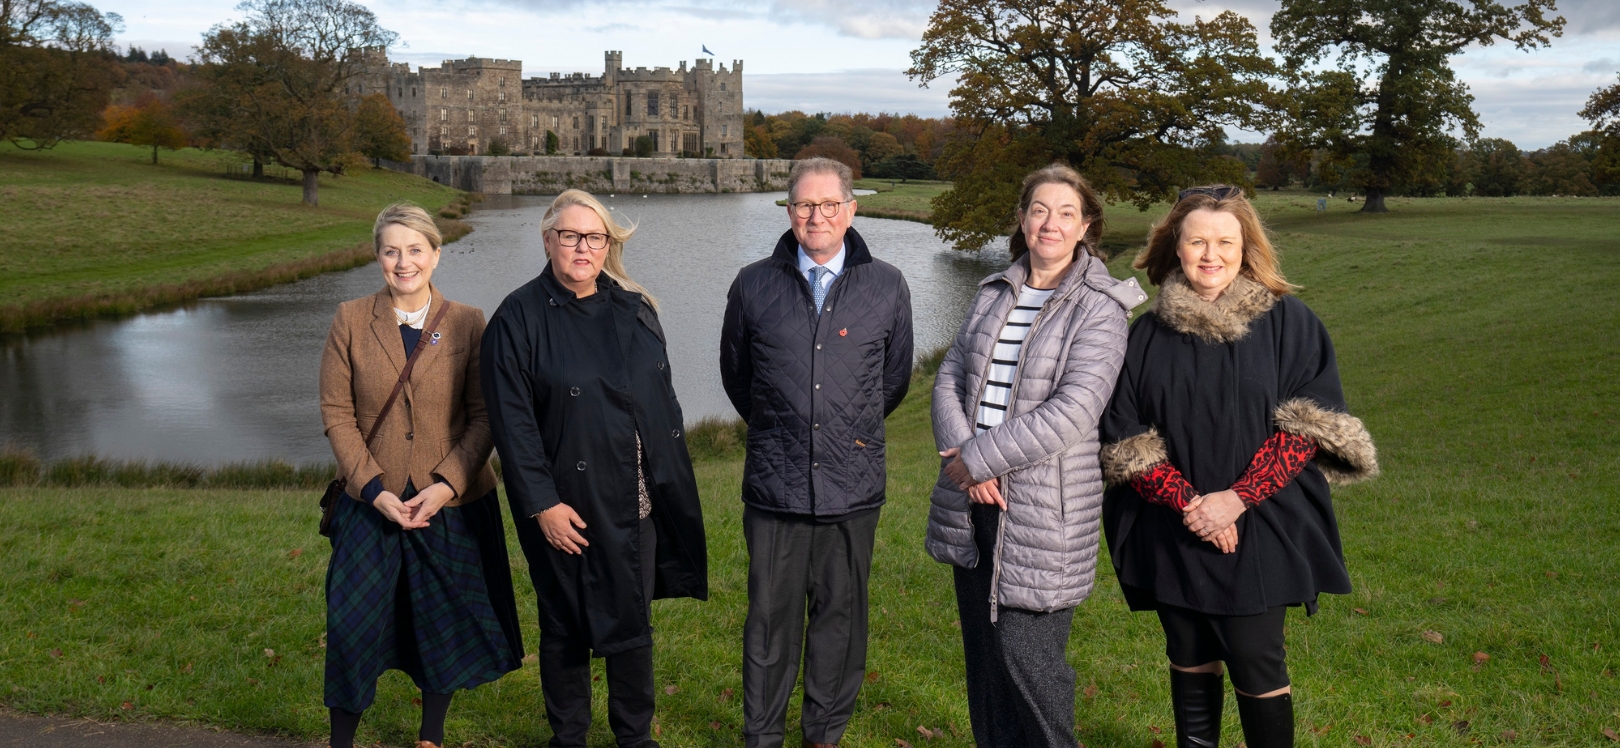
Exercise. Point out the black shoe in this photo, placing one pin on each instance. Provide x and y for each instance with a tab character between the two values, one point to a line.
1267	723
1197	699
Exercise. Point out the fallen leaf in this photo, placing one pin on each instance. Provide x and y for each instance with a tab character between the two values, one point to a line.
416	702
671	690
194	598
1360	611
956	624
1480	658
1610	734
32	635
1445	703
880	706
1433	636
1321	729
269	653
1426	719
295	553
714	725
1155	729
56	652
1363	740
902	743
658	729
872	677
726	694
1090	692
596	679
101	679
1510	735
527	659
150	686
186	670
253	681
929	734
126	705
1546	663
1552	575
1157	743
1461	726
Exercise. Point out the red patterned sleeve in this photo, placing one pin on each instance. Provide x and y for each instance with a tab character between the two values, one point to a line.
1281	458
1164	484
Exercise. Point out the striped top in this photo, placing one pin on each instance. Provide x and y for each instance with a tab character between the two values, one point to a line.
1004	357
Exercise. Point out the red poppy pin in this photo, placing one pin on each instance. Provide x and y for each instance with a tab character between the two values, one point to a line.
843	333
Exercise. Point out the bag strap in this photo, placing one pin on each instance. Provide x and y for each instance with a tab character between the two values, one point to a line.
405	373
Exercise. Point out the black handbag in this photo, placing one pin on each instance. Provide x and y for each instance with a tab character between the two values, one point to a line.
338	488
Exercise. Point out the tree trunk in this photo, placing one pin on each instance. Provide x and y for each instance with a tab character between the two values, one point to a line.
311	185
154	154
258	169
1375	202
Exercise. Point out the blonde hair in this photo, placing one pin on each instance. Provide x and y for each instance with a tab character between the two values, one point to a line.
618	234
410	216
1260	264
1090	209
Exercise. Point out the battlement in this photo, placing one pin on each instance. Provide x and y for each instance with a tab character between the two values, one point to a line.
474	64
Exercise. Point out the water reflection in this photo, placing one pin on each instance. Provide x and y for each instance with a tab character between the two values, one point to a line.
236	378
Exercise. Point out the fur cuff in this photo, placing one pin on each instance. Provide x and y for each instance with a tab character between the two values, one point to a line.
1345	452
1128	459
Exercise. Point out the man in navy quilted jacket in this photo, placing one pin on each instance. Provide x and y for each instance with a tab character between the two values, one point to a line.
815	351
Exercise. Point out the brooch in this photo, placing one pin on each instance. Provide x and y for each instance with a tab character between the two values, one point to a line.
435	340
843	333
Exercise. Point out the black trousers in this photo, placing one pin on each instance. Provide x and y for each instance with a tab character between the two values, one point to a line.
1019	682
565	679
1251	646
793	563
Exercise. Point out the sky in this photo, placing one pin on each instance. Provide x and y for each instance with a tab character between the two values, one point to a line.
850	55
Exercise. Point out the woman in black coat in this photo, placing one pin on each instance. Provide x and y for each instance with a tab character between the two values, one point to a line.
584	416
1224	432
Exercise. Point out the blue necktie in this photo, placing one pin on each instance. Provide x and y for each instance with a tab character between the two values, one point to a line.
817	289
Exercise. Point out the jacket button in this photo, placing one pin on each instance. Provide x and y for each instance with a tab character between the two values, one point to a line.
660	365
818	385
815	465
573	391
409	435
580	466
818	346
676	433
815	427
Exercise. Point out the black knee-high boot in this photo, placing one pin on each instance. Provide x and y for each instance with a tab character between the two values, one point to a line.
1267	723
1197	699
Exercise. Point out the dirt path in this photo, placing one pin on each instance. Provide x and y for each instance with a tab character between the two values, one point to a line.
19	730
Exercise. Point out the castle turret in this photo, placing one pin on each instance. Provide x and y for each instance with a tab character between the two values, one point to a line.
610	70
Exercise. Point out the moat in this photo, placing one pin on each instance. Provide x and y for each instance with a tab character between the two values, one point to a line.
236	378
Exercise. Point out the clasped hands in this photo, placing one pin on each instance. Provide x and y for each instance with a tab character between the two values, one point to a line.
988	492
1213	517
414	514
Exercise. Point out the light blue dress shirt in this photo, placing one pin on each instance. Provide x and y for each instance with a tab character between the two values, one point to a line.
833	266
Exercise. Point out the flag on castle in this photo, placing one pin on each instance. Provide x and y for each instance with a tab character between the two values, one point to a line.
705	49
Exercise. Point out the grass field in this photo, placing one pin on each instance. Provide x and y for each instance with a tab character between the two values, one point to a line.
95	228
906	201
1477	338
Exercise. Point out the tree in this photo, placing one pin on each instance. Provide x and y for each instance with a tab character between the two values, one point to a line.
902	167
757	140
497	147
1495	167
56	70
150	122
551	143
1119	90
1564	168
1603	111
1383	116
880	146
832	147
283	76
644	146
1271	171
379	131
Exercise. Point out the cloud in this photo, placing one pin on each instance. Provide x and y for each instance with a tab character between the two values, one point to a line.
1590	16
872	90
1601	65
608	28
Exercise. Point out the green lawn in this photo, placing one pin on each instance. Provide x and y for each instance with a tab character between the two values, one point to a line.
1478	338
95	227
908	201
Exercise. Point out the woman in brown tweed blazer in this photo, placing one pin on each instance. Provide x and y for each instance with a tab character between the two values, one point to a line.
419	580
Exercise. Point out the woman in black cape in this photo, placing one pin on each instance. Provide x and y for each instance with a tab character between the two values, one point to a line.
584	416
1224	432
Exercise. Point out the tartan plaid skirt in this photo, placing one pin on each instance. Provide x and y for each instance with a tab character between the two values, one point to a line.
436	603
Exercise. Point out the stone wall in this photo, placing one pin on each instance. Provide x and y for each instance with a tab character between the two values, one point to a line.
549	175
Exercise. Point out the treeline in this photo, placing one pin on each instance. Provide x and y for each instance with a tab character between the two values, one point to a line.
279	86
887	146
1579	166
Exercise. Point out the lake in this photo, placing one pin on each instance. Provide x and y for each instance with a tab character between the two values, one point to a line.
235	378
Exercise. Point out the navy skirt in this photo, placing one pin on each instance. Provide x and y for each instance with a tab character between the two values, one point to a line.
436	603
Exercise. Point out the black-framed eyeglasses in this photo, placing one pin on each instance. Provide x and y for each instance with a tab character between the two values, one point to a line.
828	209
1217	191
572	239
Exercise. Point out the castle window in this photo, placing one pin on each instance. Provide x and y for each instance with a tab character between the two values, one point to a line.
502	96
503	83
629	109
674	104
472	130
503	130
534	120
413	92
553	121
576	142
402	92
722	149
652	105
444	92
444	115
722	86
503	115
469	94
362	88
686	112
725	130
576	123
444	131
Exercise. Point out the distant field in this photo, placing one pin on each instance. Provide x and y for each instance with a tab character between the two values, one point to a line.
1478	339
95	228
907	201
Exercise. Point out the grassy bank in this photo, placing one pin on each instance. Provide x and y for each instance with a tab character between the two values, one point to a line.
1477	339
95	228
905	201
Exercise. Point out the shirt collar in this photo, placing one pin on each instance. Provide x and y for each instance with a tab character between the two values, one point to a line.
834	266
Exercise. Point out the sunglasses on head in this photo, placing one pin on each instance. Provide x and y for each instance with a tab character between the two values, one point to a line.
1219	192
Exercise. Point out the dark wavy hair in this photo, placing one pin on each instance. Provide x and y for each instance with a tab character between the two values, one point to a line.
1090	209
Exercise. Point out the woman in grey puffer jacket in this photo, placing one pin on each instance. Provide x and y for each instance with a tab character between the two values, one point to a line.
1018	505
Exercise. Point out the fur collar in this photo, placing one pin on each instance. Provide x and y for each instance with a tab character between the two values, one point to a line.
1224	321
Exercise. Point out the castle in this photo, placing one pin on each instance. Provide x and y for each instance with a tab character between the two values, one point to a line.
463	106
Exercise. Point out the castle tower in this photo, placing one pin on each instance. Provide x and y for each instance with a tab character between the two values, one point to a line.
610	71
